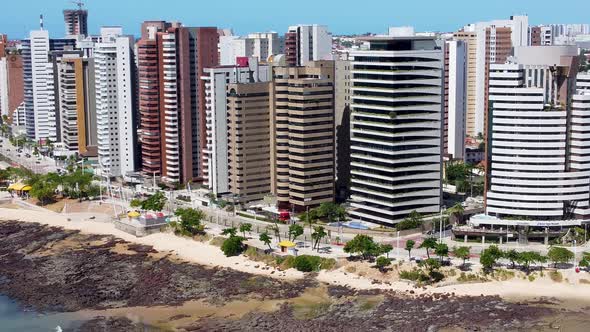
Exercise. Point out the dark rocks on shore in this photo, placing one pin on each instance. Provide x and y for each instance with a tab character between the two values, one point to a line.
51	269
94	276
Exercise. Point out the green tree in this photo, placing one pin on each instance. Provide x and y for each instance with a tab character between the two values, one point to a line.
190	221
136	203
44	192
585	262
310	217
528	258
266	239
332	211
233	246
462	253
318	234
245	227
413	220
232	231
441	250
362	244
382	263
409	246
155	202
512	256
385	249
559	255
295	231
487	260
495	251
430	264
456	213
428	244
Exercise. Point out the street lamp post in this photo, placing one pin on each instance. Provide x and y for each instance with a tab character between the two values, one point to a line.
441	223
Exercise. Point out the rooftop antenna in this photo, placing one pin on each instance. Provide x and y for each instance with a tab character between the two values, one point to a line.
78	3
41	21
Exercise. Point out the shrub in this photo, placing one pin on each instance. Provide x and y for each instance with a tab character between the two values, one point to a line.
285	263
217	241
382	263
413	275
233	246
556	276
306	263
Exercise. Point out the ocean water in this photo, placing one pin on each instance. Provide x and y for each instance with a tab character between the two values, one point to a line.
14	319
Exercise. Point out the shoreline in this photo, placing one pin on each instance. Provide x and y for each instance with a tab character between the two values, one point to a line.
113	282
211	256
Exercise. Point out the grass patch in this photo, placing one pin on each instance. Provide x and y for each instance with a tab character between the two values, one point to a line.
311	310
556	276
585	281
531	278
368	303
217	241
471	277
202	237
350	269
503	275
413	275
451	273
255	255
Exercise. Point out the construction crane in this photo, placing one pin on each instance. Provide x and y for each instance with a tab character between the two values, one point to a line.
78	3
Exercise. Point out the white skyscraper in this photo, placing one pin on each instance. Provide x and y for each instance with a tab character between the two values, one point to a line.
455	94
305	43
114	102
539	172
396	128
43	87
3	86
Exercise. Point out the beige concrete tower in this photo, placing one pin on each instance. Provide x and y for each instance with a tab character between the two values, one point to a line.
302	142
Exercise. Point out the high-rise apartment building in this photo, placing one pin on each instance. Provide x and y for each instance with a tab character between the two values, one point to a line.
541	35
248	112
538	165
114	83
302	138
76	21
487	43
396	126
306	43
171	58
260	45
150	84
76	82
342	86
39	84
11	80
4	109
455	75
216	81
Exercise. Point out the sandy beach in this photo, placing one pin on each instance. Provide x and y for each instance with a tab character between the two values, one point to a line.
209	255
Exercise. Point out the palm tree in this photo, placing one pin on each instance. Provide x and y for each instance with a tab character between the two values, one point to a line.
409	246
456	212
318	234
265	238
429	243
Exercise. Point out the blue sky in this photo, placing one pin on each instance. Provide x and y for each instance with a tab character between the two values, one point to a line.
342	16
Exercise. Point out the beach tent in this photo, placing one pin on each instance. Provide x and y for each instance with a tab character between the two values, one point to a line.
19	187
133	214
285	245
